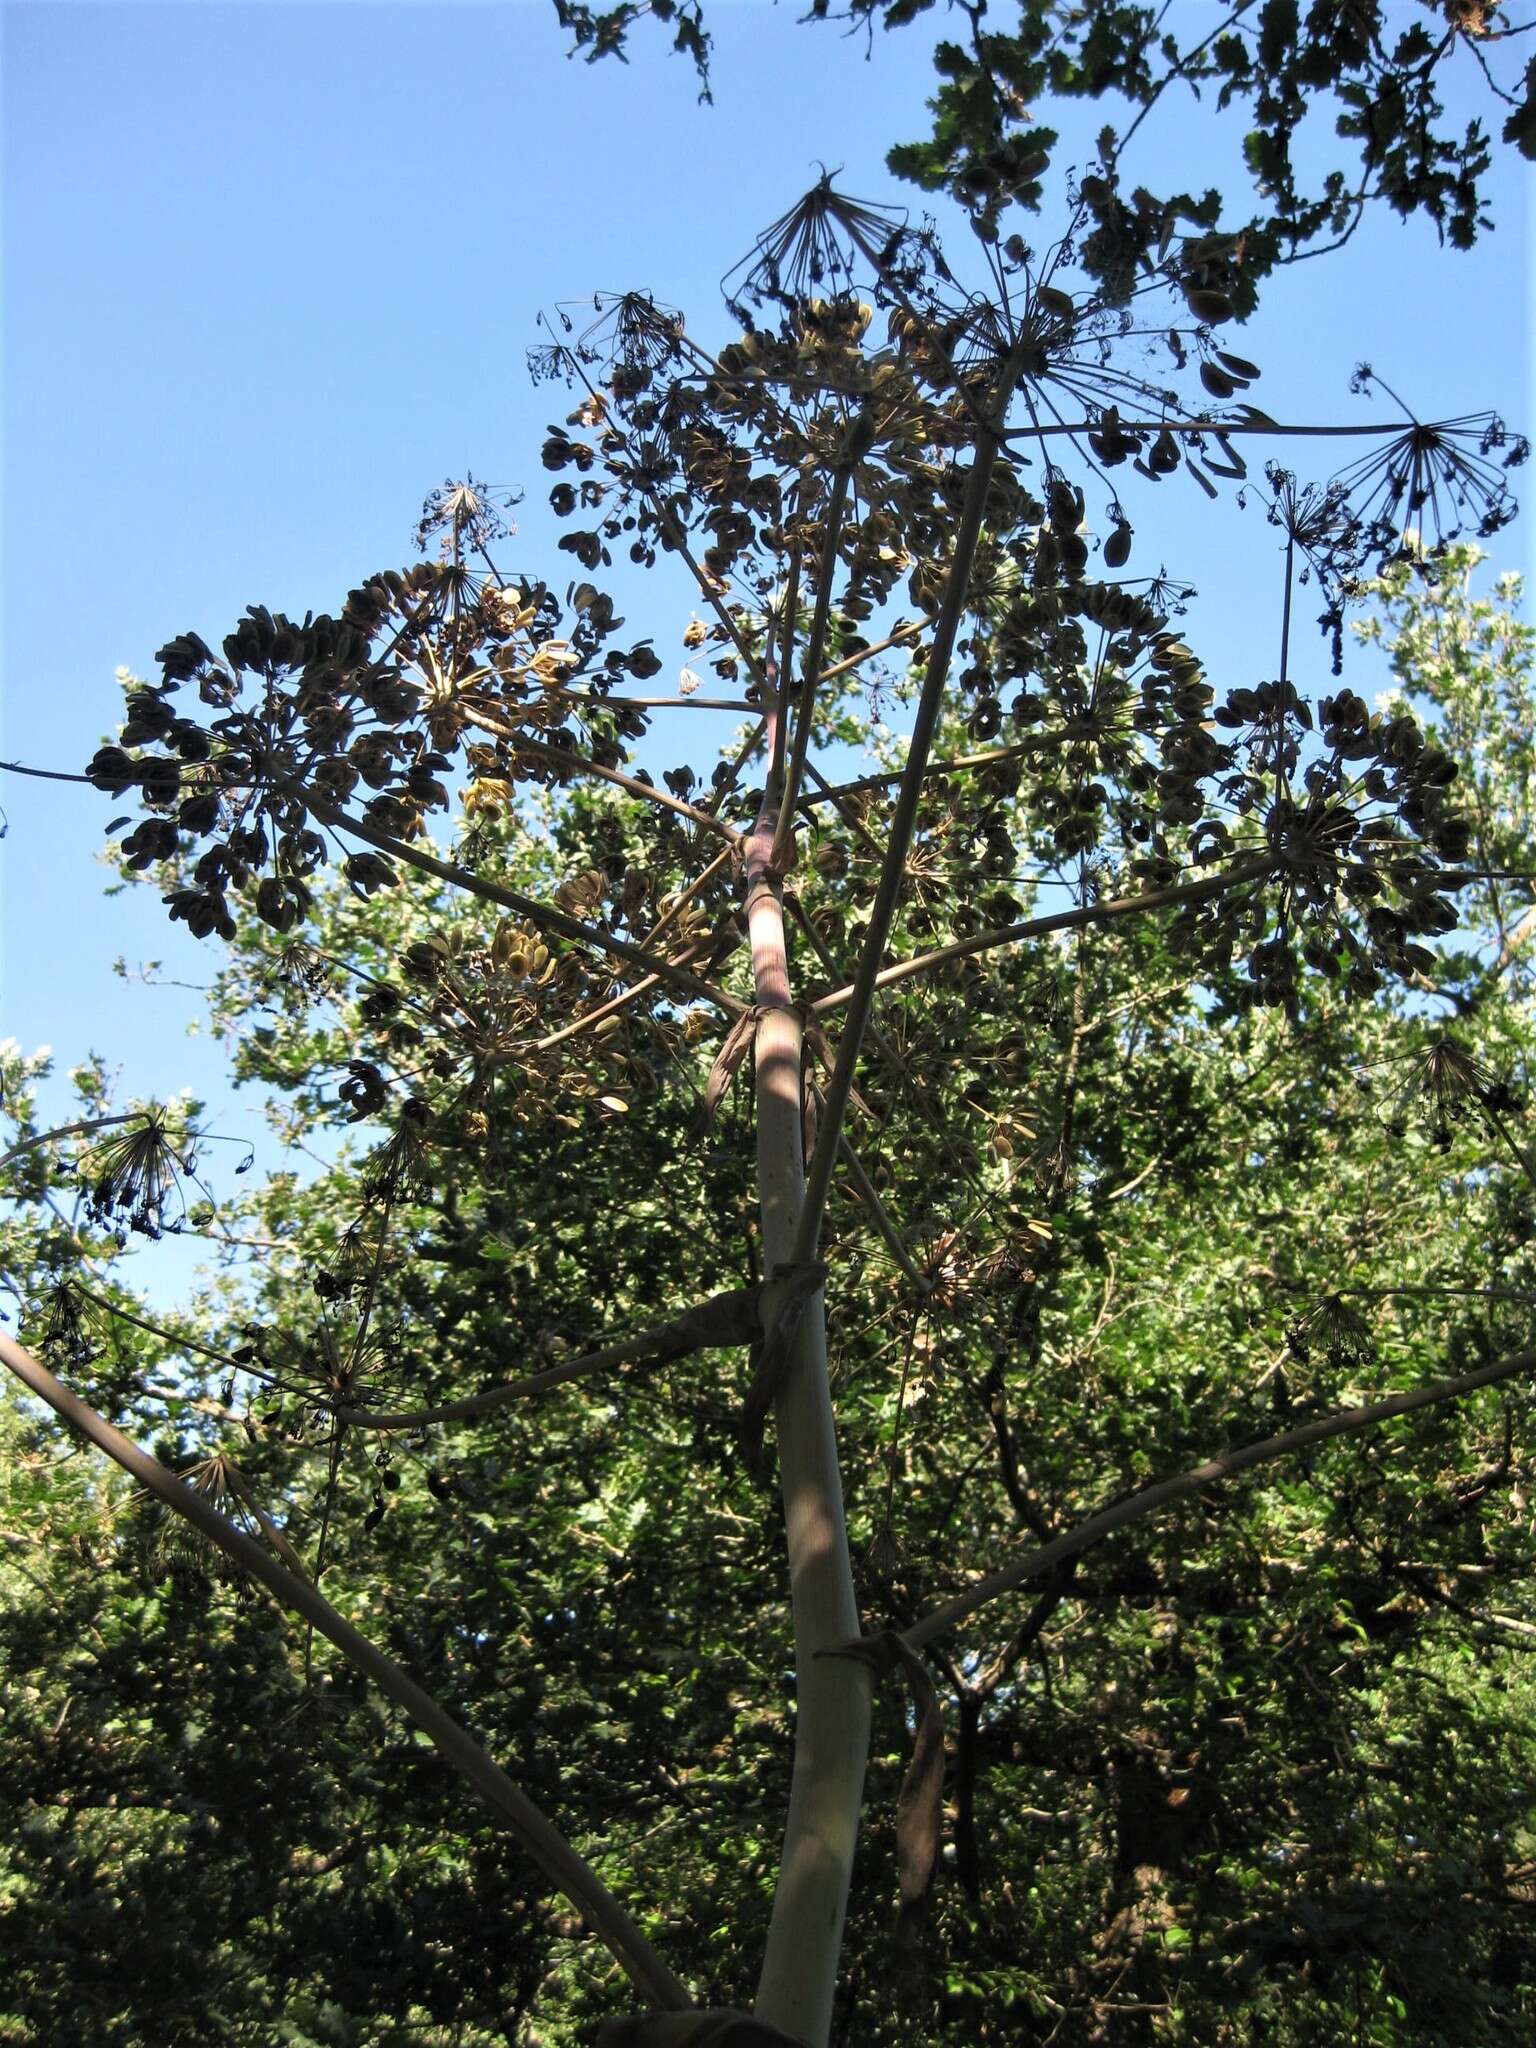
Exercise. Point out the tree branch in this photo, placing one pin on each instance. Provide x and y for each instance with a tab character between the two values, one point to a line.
582	764
1260	426
1137	1506
548	1848
860	996
1056	921
870	1199
542	914
725	1319
903	632
1036	743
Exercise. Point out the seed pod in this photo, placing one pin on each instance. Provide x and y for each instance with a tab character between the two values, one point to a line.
275	905
1216	381
1208	306
1237	366
159	779
1118	547
986	720
1164	458
1066	505
1074	553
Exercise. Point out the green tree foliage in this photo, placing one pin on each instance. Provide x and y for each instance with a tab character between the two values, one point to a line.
1374	74
1113	1076
1210	1763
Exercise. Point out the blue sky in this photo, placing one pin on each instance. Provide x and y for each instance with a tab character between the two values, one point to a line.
270	273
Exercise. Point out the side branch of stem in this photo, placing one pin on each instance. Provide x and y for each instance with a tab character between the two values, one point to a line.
1137	1506
1103	912
543	915
725	1319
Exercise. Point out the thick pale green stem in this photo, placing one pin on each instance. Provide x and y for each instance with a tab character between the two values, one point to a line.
799	1972
832	1721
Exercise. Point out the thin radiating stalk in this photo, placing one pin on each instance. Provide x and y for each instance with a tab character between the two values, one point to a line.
904	816
784	829
542	915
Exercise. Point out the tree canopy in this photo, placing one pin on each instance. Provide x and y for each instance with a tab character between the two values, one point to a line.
907	1342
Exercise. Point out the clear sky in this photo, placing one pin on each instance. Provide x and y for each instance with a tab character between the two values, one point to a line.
270	273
